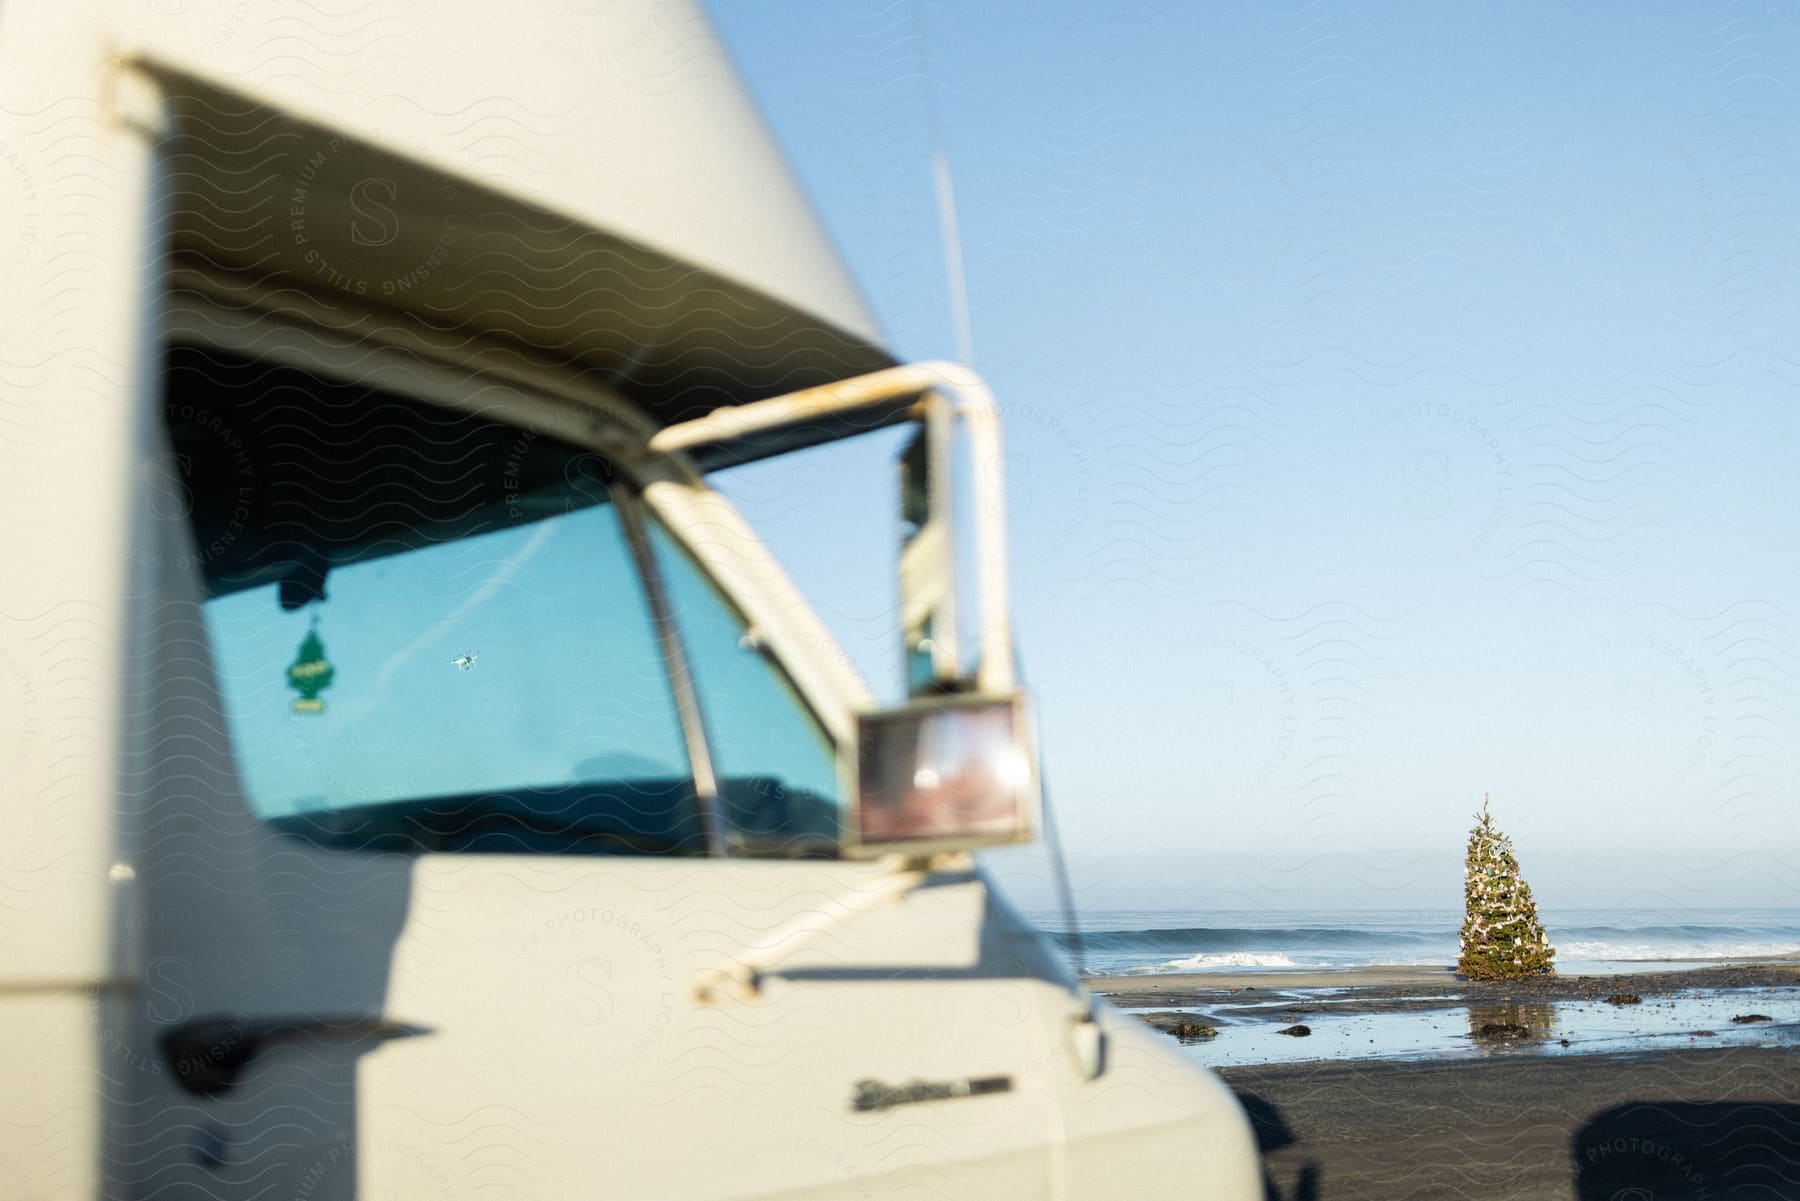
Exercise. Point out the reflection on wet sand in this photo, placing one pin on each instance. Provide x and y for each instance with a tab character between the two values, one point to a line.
1512	1022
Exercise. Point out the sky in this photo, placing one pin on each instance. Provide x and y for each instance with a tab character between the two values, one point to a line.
1400	405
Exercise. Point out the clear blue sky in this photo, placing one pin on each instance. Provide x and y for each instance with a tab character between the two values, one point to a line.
1401	404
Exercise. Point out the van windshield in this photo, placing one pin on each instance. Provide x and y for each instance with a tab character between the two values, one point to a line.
433	637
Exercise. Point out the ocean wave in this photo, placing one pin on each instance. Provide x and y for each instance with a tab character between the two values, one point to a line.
1226	938
1212	963
1667	952
1595	941
1671	934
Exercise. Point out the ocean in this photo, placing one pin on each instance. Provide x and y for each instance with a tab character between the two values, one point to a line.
1587	941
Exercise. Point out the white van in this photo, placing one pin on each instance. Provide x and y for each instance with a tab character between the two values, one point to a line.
420	783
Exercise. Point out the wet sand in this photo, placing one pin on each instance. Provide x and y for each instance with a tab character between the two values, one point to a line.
1371	989
1680	1124
1672	1126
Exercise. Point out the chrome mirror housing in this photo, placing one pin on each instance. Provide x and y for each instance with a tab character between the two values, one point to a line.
948	773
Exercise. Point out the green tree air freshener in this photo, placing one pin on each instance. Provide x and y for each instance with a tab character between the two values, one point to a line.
311	672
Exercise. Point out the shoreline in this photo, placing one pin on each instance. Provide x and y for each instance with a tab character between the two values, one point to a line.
1392	985
1398	1014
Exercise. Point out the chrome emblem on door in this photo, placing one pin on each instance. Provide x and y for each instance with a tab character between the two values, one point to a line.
873	1094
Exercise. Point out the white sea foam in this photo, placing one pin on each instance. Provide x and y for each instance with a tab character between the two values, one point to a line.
1225	959
1142	942
1670	952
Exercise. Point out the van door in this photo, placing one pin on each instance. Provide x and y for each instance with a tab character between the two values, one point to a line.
419	846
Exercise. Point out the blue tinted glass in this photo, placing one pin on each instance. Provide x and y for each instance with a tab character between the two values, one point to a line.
777	768
521	661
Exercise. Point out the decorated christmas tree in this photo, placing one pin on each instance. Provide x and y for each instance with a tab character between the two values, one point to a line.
1501	936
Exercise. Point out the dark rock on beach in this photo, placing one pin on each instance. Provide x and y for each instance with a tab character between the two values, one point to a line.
1503	1030
1185	1026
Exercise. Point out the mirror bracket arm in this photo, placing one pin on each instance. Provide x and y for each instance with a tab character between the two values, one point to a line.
741	979
888	397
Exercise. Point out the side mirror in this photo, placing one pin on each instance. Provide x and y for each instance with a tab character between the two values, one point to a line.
949	773
956	767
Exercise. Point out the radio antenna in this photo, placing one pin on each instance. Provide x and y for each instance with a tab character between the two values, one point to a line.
944	184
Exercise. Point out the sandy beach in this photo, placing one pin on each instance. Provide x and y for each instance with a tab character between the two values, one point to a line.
1696	1125
1411	1082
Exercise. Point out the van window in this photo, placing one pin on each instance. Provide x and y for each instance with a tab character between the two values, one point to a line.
429	634
776	766
501	692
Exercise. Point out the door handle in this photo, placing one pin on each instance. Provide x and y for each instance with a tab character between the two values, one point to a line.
209	1055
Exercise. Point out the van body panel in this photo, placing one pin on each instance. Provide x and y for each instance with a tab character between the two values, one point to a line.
628	118
1154	1120
592	992
78	247
51	1043
269	203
